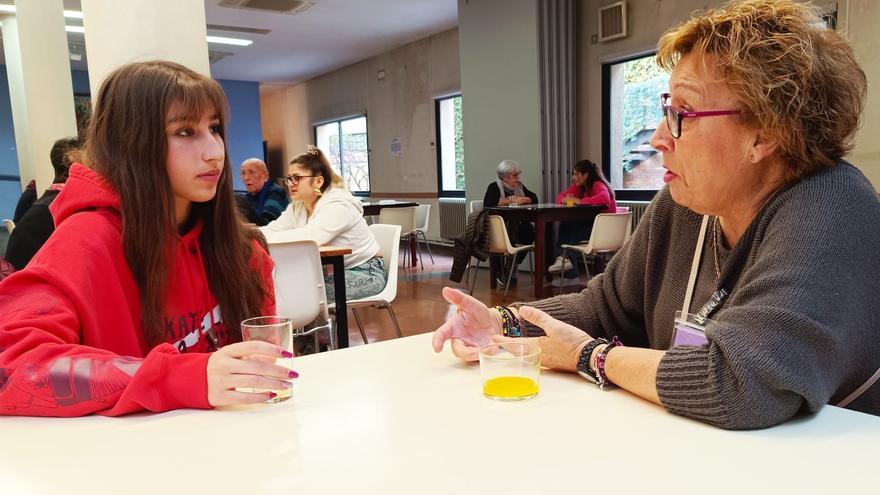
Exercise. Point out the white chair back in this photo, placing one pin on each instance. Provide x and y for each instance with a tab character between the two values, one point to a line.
405	217
299	281
9	225
610	231
423	213
499	241
475	205
388	237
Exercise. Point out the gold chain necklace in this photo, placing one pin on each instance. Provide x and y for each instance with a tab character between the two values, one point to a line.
715	250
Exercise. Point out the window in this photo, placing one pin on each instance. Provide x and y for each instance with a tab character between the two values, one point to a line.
631	106
450	146
345	144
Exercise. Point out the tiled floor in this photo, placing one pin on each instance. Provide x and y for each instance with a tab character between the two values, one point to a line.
419	305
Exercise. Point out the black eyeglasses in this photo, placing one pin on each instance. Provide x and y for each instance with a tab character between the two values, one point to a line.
292	180
674	115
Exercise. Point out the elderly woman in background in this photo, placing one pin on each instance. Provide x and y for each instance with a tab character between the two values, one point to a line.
508	190
777	232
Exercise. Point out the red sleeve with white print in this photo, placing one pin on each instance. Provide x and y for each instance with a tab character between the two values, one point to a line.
45	371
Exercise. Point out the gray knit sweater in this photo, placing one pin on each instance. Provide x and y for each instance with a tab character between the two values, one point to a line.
801	327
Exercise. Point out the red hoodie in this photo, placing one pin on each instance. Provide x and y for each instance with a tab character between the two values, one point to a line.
71	341
597	195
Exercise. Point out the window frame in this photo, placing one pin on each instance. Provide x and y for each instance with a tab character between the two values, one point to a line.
441	192
619	194
338	122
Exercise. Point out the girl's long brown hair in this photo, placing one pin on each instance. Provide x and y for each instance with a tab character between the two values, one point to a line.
127	144
593	173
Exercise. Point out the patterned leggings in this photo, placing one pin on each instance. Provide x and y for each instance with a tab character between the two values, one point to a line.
364	280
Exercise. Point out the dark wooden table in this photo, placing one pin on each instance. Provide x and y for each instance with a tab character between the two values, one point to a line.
541	214
334	256
373	208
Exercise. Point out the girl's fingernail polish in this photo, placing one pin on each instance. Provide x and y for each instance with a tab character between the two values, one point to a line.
286	354
293	374
272	395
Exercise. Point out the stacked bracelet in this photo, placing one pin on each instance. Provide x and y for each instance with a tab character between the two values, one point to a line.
510	326
600	362
583	366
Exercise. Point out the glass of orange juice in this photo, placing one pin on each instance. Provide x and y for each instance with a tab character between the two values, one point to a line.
510	370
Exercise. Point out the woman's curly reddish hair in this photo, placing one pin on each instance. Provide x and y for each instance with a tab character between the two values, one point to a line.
799	82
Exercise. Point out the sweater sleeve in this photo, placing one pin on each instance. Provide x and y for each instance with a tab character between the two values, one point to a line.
275	203
492	196
286	221
45	371
324	225
613	301
571	191
530	195
598	195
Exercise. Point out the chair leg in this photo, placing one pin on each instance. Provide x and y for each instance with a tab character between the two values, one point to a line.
476	272
587	268
393	318
532	267
425	237
357	318
562	273
331	329
509	277
419	250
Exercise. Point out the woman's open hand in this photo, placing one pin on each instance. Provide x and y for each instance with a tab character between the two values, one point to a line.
472	326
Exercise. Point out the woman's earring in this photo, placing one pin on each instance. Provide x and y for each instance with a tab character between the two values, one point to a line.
318	192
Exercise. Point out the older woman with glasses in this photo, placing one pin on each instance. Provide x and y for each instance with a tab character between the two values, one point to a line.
748	292
323	210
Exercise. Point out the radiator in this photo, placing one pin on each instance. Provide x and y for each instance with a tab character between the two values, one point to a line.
453	217
637	208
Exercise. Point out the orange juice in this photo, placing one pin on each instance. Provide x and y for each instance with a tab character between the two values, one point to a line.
510	388
571	201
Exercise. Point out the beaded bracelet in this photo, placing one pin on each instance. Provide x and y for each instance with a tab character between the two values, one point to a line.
510	326
600	362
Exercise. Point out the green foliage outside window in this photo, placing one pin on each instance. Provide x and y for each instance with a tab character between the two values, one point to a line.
459	145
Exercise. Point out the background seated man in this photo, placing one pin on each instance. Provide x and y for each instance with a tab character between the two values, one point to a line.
265	198
36	224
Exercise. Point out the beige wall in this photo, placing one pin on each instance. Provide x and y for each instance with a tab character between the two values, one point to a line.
864	17
500	91
399	106
648	19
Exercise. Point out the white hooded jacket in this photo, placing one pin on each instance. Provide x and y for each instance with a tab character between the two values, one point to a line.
338	220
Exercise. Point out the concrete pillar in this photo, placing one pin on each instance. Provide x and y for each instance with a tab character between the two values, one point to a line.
40	86
498	48
118	33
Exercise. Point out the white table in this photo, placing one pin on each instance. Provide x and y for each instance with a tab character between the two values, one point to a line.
393	417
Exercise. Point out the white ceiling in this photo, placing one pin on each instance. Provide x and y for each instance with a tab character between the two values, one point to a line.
329	35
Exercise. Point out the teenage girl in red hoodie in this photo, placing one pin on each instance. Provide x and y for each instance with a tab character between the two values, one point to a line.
149	269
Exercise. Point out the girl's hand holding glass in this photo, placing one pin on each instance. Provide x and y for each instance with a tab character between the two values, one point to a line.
247	365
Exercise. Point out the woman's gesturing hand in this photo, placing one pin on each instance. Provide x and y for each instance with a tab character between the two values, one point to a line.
472	326
248	364
561	347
